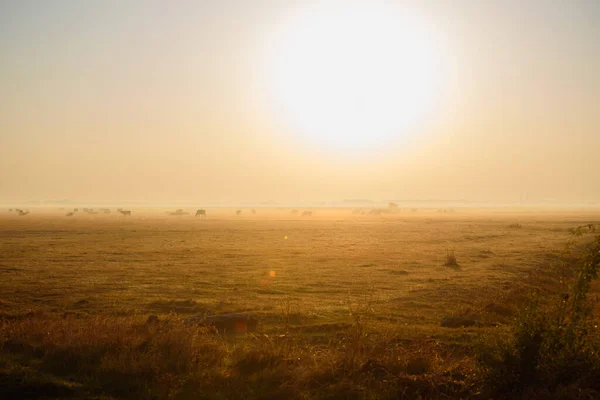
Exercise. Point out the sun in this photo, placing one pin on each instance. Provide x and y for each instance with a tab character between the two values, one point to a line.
352	76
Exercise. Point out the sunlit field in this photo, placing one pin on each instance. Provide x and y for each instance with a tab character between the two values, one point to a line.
364	200
349	305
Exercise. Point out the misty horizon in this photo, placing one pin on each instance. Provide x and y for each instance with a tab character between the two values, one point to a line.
344	203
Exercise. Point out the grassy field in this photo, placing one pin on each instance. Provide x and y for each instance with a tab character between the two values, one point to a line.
348	305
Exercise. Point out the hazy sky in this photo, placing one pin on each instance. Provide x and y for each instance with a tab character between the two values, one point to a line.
161	101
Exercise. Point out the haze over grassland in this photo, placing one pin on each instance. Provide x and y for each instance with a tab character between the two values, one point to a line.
320	199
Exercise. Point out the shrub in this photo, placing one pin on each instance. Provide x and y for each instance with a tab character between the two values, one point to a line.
554	344
451	259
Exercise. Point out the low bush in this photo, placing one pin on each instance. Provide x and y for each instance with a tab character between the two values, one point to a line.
451	260
555	344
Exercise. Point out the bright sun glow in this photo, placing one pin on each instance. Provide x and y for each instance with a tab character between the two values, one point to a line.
354	76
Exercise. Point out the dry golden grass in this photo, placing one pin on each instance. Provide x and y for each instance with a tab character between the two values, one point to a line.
349	305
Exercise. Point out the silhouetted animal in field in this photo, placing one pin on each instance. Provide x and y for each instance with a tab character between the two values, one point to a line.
22	213
201	212
69	214
125	212
307	213
238	212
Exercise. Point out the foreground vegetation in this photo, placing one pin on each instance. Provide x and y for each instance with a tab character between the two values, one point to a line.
537	338
554	350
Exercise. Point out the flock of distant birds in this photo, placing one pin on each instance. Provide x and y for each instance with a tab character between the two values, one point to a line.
392	208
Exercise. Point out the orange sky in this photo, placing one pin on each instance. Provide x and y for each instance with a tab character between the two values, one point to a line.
156	102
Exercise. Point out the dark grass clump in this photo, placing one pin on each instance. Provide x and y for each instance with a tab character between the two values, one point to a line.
451	260
122	356
108	357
